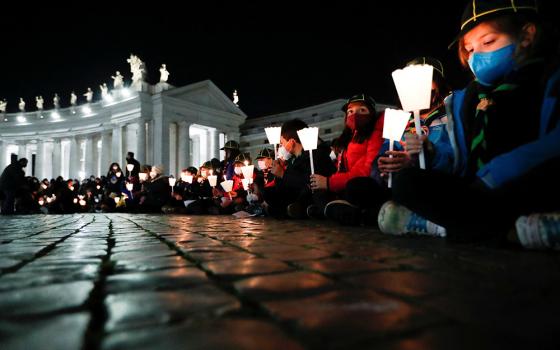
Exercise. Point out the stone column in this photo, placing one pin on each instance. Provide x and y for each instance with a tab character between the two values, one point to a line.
74	159
22	153
106	154
40	160
141	142
117	155
2	155
161	142
89	159
21	149
184	145
56	159
214	143
131	139
95	155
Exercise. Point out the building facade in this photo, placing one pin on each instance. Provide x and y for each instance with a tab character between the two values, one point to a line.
161	124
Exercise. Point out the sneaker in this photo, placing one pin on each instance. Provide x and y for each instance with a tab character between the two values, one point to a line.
344	212
395	219
539	231
314	212
296	211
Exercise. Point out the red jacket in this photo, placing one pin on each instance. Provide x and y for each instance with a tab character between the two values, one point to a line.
358	158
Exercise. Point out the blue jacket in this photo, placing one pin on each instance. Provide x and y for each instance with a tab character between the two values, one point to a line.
514	164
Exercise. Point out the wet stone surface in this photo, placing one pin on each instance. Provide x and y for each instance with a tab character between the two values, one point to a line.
122	281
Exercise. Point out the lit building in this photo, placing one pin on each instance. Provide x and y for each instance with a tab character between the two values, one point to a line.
176	127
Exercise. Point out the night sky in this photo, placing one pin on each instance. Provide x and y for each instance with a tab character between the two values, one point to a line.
279	58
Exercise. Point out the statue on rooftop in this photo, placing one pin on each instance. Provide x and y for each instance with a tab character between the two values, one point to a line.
118	81
104	90
56	101
235	98
89	95
73	99
39	102
163	74
21	104
136	68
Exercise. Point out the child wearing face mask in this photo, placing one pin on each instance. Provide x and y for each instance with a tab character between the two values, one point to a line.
235	200
504	128
292	194
264	178
359	143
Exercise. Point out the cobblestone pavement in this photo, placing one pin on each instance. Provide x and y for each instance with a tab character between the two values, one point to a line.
120	281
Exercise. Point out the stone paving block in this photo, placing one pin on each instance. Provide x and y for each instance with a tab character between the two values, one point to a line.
234	334
169	279
205	255
150	264
237	268
142	254
344	267
289	284
59	332
43	299
142	309
338	318
403	283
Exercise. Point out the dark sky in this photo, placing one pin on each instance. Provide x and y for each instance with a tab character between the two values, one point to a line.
279	58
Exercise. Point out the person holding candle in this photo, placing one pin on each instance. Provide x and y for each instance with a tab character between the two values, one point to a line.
292	194
136	169
434	141
504	128
234	200
359	143
231	149
156	191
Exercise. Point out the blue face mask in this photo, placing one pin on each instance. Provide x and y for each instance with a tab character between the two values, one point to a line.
490	67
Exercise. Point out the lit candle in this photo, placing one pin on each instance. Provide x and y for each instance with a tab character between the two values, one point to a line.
393	127
414	87
273	134
212	179
309	138
227	186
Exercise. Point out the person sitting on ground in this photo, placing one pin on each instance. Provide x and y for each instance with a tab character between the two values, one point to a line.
292	194
505	130
359	143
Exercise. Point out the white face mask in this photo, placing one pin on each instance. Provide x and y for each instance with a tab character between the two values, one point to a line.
237	170
283	153
332	155
262	164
